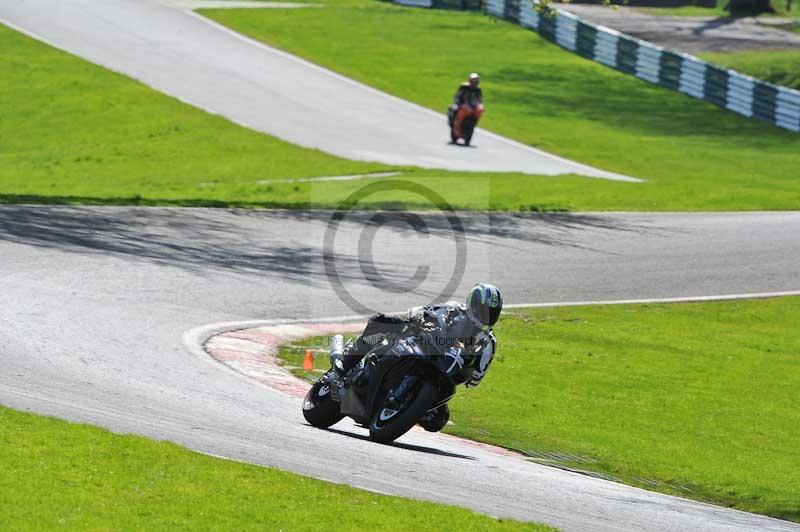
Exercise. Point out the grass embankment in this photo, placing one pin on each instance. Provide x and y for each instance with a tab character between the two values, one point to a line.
694	155
781	67
58	475
72	132
698	400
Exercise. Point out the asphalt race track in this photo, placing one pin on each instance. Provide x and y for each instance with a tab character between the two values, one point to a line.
95	302
190	57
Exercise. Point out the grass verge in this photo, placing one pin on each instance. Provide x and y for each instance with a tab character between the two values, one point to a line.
55	474
694	155
694	399
781	67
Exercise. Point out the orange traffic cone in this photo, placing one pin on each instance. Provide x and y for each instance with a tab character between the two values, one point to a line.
308	361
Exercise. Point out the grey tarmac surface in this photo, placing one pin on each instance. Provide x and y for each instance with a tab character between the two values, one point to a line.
690	34
206	65
94	303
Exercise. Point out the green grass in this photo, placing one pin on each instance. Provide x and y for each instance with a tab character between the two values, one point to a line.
781	67
70	128
75	133
72	132
694	155
700	397
58	475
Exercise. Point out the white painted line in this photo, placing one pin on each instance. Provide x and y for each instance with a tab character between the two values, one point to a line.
688	299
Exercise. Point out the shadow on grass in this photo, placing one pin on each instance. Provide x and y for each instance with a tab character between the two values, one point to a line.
635	107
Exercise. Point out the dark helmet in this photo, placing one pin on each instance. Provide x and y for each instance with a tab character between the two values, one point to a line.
484	303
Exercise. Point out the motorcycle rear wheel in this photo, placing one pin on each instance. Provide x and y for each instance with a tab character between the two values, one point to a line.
387	431
319	409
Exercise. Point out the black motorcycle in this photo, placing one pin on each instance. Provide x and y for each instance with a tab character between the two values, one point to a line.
395	386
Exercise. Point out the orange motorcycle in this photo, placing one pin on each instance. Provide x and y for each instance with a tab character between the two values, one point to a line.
463	121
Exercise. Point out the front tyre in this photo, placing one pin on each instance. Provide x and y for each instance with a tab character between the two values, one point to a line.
319	408
387	425
467	129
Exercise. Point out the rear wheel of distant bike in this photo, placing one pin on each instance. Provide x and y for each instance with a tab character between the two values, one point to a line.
389	423
319	408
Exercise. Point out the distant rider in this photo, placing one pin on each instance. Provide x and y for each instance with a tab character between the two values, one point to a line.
468	96
467	328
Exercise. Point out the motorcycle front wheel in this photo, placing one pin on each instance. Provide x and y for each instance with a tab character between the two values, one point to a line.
319	408
387	424
467	129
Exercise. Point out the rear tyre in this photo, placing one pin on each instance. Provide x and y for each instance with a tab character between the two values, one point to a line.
384	430
319	409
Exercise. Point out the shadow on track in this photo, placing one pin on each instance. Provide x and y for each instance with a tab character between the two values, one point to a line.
278	243
406	446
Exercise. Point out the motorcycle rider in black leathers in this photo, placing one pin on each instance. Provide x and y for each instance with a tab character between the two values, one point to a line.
462	331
